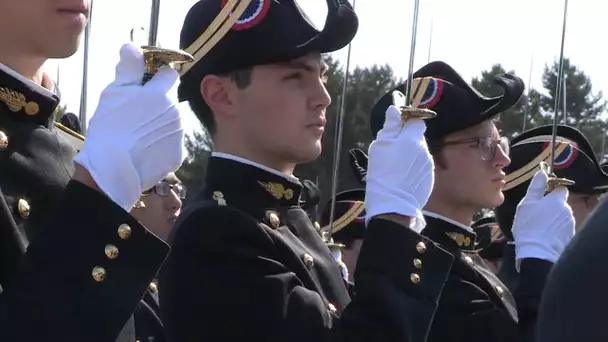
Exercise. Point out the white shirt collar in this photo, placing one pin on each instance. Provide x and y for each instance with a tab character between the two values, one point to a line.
446	219
290	178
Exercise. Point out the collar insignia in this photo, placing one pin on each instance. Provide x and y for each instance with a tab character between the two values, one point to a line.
460	239
277	190
16	101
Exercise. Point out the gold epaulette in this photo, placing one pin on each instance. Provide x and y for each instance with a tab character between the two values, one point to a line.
75	139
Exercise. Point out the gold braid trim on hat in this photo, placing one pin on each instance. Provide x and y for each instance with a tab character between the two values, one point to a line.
347	218
527	171
218	28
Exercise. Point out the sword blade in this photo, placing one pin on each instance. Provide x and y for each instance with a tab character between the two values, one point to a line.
338	144
560	79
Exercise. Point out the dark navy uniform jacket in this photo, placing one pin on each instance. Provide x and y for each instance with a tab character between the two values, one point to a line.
88	262
247	264
475	305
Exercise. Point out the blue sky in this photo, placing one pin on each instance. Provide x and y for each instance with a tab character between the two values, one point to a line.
471	35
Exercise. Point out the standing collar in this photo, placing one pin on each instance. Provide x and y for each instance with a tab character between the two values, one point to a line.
23	100
235	181
446	231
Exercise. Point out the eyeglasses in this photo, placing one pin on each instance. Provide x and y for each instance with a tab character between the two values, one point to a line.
487	145
164	188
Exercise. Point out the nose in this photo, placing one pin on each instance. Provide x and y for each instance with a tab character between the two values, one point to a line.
172	202
320	98
501	159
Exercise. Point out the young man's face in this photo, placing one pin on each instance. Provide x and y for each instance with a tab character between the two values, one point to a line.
472	175
46	28
162	207
282	112
582	205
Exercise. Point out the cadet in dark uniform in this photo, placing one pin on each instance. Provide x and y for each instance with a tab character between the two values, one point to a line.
469	156
247	263
575	161
88	262
348	226
157	209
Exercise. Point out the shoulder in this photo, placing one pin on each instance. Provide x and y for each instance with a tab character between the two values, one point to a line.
211	225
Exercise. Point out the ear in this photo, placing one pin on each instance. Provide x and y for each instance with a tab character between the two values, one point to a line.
215	90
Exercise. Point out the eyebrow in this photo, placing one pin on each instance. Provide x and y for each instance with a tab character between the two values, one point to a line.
309	66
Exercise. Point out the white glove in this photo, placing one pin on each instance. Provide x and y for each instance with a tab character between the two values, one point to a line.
543	225
400	170
136	136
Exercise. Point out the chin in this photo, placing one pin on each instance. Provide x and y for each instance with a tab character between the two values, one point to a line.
310	154
64	49
495	200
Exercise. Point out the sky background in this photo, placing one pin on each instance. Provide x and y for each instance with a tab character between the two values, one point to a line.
470	35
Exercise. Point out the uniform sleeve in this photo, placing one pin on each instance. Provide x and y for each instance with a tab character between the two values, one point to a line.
83	276
223	282
533	276
467	313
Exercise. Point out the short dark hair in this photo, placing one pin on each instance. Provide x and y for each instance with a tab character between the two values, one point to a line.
436	151
242	79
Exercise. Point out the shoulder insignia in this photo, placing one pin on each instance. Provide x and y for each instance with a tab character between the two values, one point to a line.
460	239
16	101
75	139
218	197
277	190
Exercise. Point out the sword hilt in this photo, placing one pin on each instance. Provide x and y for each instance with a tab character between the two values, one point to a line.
554	182
156	58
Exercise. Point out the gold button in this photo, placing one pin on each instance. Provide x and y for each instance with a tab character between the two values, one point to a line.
99	273
3	141
415	278
421	247
288	194
124	231
417	263
499	290
111	251
332	308
273	218
31	108
153	287
468	260
308	260
24	208
317	226
218	197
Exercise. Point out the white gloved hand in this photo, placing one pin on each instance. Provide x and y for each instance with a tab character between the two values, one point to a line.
136	136
543	225
400	171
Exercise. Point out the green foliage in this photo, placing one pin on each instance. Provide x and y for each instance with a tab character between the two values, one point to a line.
584	108
193	170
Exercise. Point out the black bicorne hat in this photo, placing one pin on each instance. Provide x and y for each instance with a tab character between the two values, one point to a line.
269	31
71	121
349	216
575	160
437	86
489	238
